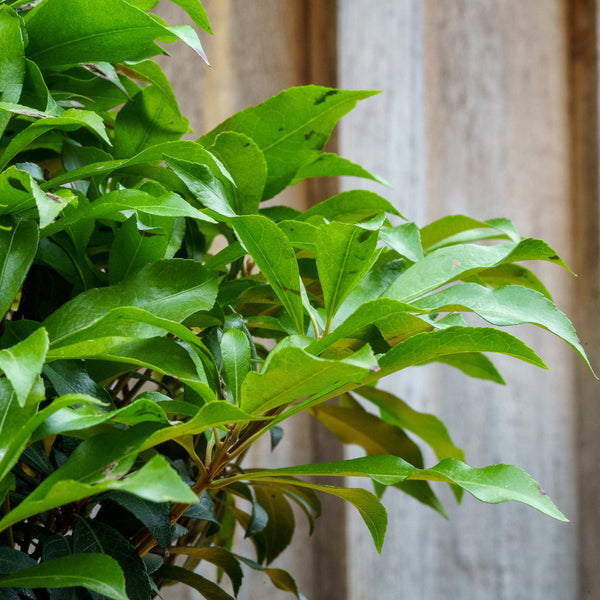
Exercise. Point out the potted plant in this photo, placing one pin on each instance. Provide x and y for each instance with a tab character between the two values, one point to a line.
157	319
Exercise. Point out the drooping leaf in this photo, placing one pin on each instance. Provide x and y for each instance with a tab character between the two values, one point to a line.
17	251
290	128
22	363
12	65
508	305
96	572
281	579
208	589
473	364
493	484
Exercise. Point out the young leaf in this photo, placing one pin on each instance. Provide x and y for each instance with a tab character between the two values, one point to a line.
18	246
344	253
22	363
295	124
12	66
276	259
96	572
235	354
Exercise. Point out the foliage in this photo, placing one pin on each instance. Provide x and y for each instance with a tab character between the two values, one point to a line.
157	320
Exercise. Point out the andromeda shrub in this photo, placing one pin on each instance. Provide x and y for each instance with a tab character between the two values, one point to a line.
157	321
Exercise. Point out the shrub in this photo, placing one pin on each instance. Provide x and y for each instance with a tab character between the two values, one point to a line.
157	321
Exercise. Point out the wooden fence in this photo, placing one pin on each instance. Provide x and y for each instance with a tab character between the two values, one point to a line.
489	108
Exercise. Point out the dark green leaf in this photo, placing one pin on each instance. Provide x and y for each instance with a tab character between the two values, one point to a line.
17	251
208	589
12	66
281	579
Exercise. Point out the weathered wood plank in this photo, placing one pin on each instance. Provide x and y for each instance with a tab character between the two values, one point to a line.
496	142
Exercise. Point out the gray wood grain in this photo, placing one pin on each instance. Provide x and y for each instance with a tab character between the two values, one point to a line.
495	141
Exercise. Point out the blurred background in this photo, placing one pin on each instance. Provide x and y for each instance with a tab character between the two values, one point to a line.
488	108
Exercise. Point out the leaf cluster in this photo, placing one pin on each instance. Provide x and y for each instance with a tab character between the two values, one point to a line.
158	318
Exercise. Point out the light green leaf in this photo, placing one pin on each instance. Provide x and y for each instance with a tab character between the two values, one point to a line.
290	128
22	363
245	162
344	253
293	374
427	346
511	273
473	364
196	12
462	260
235	354
63	32
17	251
301	235
493	484
12	65
404	239
508	305
353	206
447	230
96	572
275	257
328	164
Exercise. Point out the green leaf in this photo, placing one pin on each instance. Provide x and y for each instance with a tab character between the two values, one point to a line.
328	164
273	254
95	537
460	261
208	589
508	305
390	318
17	251
71	120
493	484
148	119
235	354
344	253
353	206
169	289
448	228
64	32
196	12
22	363
511	273
428	346
292	374
290	128
12	560
428	427
281	579
131	250
405	240
12	66
219	557
245	162
96	572
473	364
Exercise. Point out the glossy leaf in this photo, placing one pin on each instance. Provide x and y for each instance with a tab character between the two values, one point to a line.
235	354
493	484
63	32
273	254
344	254
508	305
22	363
12	66
17	251
293	374
295	124
96	572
